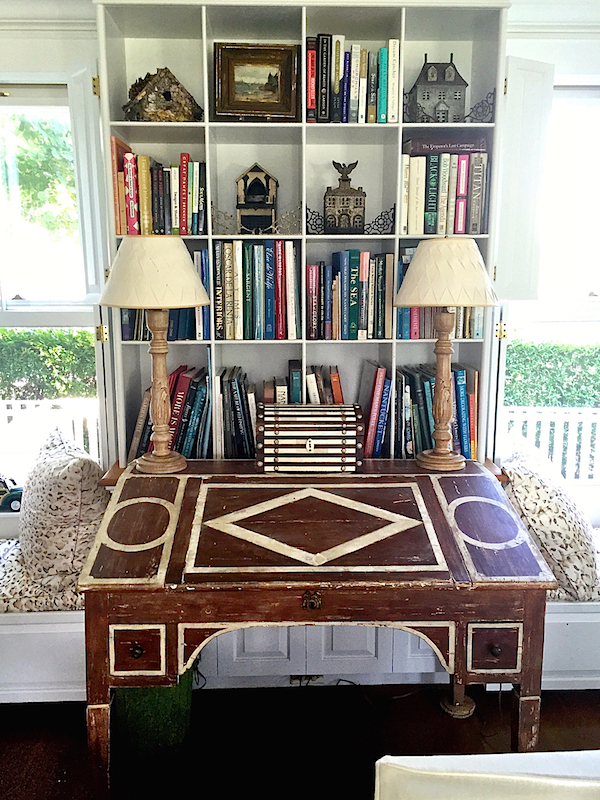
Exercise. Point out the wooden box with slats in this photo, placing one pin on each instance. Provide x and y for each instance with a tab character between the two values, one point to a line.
309	438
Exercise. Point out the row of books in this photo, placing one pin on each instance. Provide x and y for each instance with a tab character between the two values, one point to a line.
190	424
184	323
414	409
354	84
256	290
444	192
351	298
152	198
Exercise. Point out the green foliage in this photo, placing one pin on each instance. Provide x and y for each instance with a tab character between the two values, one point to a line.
551	374
46	363
43	160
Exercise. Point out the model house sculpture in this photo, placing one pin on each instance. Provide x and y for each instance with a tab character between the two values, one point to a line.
256	200
438	94
344	207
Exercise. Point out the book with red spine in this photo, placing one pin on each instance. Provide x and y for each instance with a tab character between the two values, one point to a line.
415	323
118	148
280	285
132	207
181	389
184	163
336	385
311	79
312	301
376	395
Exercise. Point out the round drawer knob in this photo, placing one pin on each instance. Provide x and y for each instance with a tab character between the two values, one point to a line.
137	651
495	650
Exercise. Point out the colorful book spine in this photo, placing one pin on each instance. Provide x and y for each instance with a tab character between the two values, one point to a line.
477	176
167	199
328	301
462	189
205	278
132	211
227	260
219	293
416	195
354	94
292	293
353	293
312	301
462	411
175	200
363	295
382	85
376	396
311	79
382	419
195	198
442	205
248	290
258	260
238	290
337	75
323	76
431	192
269	323
346	87
184	162
280	290
363	80
372	88
393	80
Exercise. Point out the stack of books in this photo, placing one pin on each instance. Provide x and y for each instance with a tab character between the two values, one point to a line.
256	290
351	298
445	187
348	83
152	198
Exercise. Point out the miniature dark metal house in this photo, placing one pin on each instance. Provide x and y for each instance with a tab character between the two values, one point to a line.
344	207
159	97
256	200
438	95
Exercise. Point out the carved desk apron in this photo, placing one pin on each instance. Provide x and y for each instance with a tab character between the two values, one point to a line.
181	558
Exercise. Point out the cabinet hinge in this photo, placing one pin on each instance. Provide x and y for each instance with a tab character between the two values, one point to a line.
96	85
495	272
102	333
505	85
501	331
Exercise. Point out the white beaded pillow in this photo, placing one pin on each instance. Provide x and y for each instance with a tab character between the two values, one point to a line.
562	531
62	507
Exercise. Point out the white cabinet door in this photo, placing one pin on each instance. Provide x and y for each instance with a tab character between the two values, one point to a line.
348	649
273	650
528	102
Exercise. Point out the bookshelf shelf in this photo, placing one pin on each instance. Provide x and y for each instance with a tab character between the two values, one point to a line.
137	38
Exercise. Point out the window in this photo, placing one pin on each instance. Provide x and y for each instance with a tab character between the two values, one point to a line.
48	272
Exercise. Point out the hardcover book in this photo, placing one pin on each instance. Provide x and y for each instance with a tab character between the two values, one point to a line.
323	76
337	74
431	192
118	149
132	212
311	79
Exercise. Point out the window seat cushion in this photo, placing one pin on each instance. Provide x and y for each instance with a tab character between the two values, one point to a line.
561	529
20	592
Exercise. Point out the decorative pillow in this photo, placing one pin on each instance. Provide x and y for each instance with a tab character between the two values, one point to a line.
562	531
61	510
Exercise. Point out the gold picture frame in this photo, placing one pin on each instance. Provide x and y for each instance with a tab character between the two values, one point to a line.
256	82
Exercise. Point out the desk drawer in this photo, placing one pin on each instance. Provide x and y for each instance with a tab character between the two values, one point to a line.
137	649
494	647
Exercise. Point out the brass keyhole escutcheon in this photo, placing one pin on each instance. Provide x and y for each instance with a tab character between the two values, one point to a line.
311	600
310	446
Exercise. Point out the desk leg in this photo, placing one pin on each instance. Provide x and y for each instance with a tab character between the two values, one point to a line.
98	688
527	699
525	721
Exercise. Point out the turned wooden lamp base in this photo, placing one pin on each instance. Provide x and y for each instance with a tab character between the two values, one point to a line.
161	460
442	458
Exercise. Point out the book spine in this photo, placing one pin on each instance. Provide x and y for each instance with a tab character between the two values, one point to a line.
422	147
202	224
324	70
167	200
219	296
311	79
291	289
389	295
139	426
145	194
374	411
393	80
312	301
328	303
154	199
117	150
280	284
227	259
363	80
382	419
248	280
195	197
379	332
431	192
337	74
132	209
194	423
414	323
372	89
363	296
452	176
346	87
353	101
345	293
371	304
258	261
269	326
336	385
121	228
477	168
184	163
177	407
382	87
416	195
175	200
405	172
238	291
442	205
460	215
462	408
353	293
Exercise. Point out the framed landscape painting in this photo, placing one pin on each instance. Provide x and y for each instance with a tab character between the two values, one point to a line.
256	82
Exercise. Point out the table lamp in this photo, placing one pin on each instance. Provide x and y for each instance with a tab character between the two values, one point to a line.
155	273
445	272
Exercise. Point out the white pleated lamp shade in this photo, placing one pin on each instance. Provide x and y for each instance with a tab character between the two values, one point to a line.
153	272
446	272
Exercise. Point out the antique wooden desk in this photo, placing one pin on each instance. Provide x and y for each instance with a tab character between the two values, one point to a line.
181	558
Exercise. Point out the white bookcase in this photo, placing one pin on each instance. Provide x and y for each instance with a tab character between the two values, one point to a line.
139	37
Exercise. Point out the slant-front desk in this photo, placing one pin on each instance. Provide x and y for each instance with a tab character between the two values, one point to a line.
181	558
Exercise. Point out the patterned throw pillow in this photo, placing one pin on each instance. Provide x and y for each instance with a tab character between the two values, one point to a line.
562	531
62	507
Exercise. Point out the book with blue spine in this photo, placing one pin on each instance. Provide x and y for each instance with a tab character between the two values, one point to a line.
353	293
462	409
346	88
269	319
383	417
382	85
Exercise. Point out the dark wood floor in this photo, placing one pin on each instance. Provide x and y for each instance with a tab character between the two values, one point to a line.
302	742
